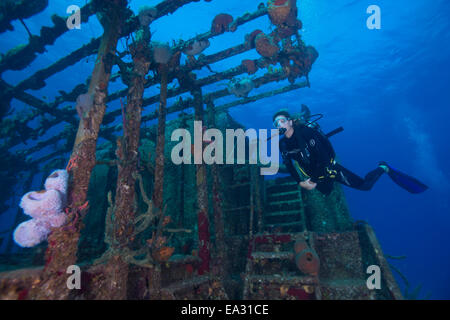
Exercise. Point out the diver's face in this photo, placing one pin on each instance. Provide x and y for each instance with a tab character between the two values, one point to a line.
282	122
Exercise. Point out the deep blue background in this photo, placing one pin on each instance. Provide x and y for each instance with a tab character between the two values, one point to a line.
389	88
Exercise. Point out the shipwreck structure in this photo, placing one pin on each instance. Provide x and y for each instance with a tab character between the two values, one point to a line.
141	227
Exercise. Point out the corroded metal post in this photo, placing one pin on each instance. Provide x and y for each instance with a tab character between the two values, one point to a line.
154	273
63	242
159	160
127	153
127	150
180	221
202	196
220	259
251	238
258	199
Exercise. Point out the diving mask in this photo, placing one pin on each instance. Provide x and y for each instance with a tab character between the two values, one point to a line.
279	121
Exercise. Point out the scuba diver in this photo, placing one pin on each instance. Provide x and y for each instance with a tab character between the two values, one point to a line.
305	143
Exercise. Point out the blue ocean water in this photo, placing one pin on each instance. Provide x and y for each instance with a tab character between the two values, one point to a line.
389	89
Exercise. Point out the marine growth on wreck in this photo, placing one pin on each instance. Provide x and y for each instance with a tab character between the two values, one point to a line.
113	203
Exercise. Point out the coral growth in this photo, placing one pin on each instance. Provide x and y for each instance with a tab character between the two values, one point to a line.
221	23
266	45
298	62
250	38
311	55
282	11
84	104
250	66
57	181
197	47
300	245
156	250
163	254
161	52
147	15
240	87
174	62
46	209
285	31
30	233
308	261
305	293
39	204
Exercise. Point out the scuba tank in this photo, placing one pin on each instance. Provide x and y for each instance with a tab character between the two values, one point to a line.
311	120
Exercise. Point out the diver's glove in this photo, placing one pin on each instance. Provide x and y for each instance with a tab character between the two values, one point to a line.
308	184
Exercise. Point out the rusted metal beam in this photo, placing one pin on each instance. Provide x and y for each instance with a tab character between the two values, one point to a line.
63	242
127	150
200	63
21	56
258	200
109	132
128	157
392	285
154	274
204	244
219	229
181	105
160	143
11	10
267	78
37	80
262	95
31	100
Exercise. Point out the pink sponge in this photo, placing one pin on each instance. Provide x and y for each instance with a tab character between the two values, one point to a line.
39	204
46	209
56	220
57	181
30	233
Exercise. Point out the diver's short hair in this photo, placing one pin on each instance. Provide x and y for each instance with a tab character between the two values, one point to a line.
282	112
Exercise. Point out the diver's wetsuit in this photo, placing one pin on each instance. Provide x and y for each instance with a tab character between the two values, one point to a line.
315	156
